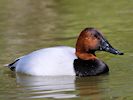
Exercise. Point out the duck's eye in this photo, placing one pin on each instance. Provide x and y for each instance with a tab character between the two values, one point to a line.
96	36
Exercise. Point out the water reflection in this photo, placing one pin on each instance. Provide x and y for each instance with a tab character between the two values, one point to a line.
60	86
90	87
48	87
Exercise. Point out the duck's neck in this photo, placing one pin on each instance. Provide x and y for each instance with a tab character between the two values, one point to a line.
85	55
91	52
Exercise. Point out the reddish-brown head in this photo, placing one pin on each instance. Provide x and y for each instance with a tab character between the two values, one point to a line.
91	40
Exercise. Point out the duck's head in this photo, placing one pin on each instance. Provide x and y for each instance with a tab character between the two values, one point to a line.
91	40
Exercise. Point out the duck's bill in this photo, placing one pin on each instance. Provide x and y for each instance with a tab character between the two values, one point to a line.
113	51
105	46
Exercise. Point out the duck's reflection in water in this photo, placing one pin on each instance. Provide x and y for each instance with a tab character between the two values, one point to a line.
92	87
58	87
47	87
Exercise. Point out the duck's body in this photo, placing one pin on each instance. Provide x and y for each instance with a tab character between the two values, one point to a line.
63	60
47	61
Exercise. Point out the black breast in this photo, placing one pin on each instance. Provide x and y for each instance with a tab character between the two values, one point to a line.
89	67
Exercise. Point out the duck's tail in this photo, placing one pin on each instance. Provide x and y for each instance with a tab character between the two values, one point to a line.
12	65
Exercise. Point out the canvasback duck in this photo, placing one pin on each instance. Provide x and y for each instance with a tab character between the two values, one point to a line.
63	60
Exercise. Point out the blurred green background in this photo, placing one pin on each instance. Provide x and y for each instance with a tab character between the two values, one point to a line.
28	25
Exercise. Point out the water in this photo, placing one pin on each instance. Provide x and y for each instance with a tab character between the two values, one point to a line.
28	25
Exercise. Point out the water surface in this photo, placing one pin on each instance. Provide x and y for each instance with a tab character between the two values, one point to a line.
28	25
